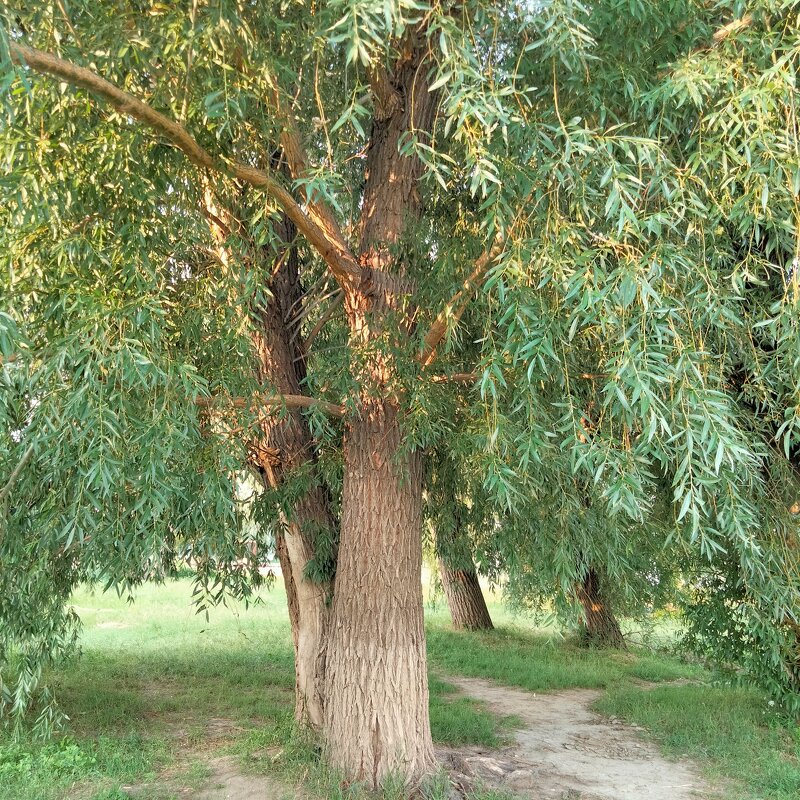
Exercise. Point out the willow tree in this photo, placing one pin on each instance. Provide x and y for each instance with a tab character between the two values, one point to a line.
473	228
188	112
683	389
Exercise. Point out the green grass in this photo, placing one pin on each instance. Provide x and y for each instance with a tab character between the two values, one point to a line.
154	676
150	677
457	720
744	743
540	661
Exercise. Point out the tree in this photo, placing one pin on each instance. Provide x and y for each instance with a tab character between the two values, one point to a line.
598	623
456	513
488	218
285	448
464	596
377	722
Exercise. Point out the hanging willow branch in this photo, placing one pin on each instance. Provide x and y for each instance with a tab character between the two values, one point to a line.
12	479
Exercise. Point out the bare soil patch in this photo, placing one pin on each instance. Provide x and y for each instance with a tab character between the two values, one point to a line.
228	782
564	751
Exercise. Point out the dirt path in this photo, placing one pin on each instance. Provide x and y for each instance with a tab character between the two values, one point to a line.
228	782
565	751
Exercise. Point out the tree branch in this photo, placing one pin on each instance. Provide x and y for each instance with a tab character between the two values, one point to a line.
323	320
341	262
12	479
296	160
275	401
457	304
732	28
456	377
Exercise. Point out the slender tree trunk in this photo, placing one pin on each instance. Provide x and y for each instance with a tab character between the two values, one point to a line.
290	438
599	625
464	598
285	445
377	704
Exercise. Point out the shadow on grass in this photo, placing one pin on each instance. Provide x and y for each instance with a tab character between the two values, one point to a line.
157	684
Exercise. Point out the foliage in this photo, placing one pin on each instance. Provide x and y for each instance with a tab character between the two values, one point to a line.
59	760
636	341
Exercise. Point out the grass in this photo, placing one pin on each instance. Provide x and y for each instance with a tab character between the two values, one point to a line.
457	720
746	746
151	676
540	661
158	690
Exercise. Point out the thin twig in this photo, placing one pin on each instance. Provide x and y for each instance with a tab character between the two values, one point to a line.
274	401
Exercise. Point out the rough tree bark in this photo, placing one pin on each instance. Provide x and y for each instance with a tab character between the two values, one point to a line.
464	597
376	713
599	625
284	446
377	704
291	592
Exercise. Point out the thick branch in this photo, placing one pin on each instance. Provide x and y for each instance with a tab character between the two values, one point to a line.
340	261
457	304
732	28
276	401
296	160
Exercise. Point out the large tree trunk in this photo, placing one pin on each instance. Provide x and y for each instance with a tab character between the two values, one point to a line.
376	713
377	703
599	625
464	598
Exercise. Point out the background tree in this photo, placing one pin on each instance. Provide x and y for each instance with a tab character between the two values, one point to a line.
456	512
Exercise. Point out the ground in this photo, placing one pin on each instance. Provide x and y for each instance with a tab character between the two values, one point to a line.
164	703
562	749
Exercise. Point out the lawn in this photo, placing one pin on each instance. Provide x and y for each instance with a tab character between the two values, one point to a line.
159	689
